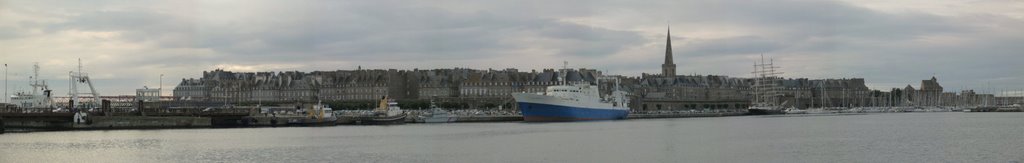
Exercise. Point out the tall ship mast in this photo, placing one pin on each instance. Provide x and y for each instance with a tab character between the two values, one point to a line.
766	89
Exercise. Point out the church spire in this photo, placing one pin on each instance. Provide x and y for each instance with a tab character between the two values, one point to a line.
668	47
669	68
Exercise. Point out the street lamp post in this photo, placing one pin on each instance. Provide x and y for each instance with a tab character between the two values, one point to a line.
5	84
160	89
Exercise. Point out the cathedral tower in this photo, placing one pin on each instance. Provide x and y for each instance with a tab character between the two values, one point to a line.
669	68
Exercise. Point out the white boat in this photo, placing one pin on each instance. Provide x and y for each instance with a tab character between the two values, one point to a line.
795	111
39	97
580	101
437	115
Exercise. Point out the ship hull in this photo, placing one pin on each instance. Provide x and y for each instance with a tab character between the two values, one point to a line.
538	112
764	112
395	120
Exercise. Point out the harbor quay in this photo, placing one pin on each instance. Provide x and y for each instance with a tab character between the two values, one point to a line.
491	89
279	99
161	115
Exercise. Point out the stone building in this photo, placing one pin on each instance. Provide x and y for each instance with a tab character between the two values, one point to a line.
655	93
471	88
669	92
192	89
476	88
812	93
929	94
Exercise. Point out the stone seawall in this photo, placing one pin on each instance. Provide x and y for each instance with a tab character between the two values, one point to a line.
31	124
283	121
683	115
510	118
143	122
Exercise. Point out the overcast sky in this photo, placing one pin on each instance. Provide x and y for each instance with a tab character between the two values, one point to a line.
126	45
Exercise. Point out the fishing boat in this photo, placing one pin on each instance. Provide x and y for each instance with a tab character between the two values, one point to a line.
322	115
386	113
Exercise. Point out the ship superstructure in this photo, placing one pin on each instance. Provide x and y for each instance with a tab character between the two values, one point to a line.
39	97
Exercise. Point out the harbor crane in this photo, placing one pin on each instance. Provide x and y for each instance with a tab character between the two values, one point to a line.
78	78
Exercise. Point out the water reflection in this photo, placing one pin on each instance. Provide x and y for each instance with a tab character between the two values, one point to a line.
911	137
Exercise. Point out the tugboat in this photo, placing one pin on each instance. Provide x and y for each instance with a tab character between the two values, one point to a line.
322	115
387	113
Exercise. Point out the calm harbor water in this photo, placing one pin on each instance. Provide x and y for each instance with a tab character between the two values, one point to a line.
895	137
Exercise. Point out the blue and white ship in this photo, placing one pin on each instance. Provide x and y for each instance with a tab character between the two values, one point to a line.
572	102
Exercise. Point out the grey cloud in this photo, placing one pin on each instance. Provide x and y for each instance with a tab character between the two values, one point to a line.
803	19
11	33
743	45
839	37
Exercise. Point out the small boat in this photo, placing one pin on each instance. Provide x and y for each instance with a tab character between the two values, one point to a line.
437	115
764	110
387	113
795	111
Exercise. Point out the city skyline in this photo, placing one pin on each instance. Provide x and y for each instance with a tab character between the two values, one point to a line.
127	45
